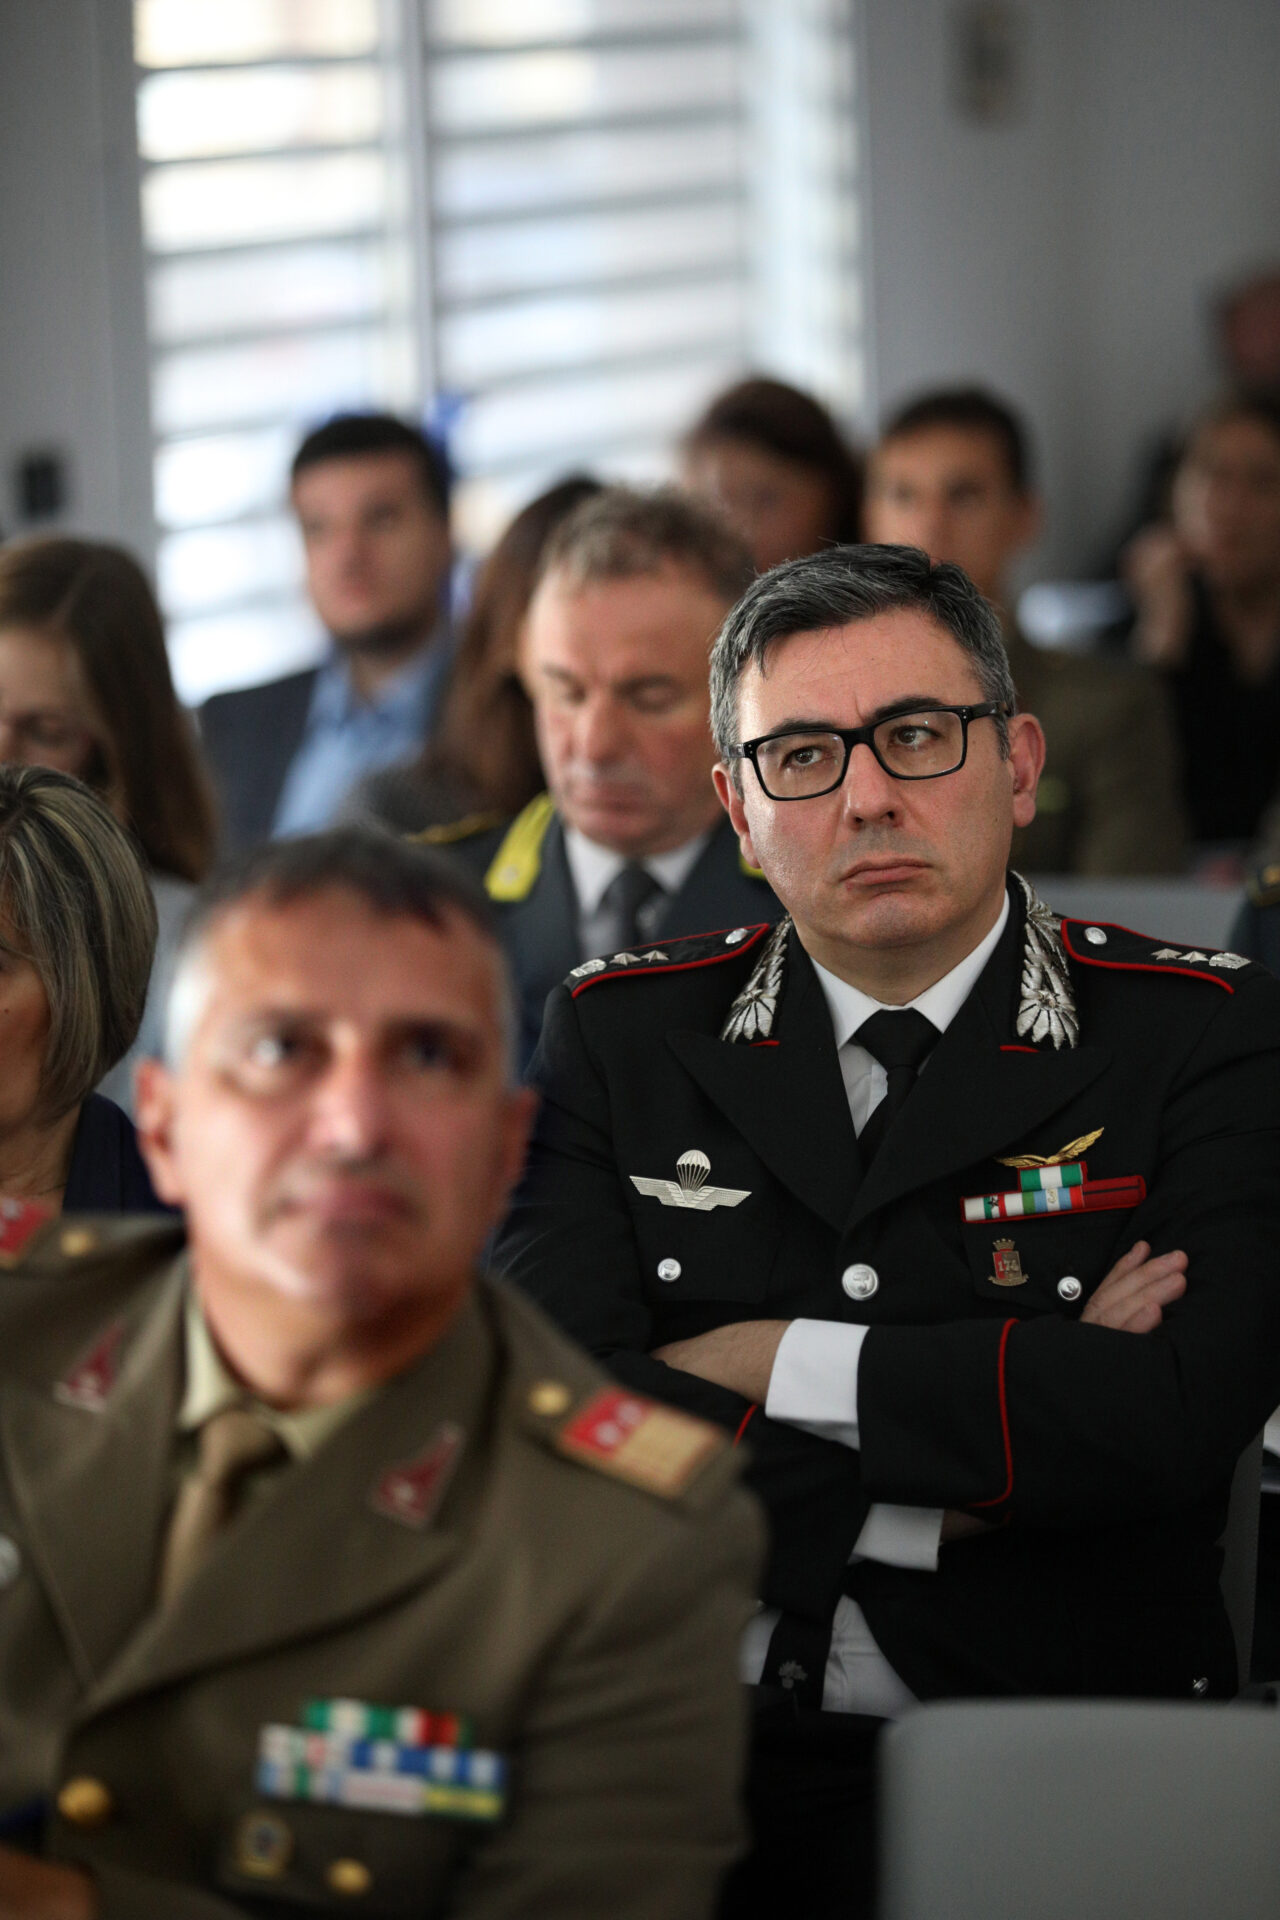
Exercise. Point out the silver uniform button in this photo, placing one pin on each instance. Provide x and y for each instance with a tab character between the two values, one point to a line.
1200	1686
1095	936
668	1269
1069	1287
860	1281
10	1561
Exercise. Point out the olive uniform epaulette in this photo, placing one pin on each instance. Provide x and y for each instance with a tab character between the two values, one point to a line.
613	1431
40	1248
1263	885
1101	944
669	956
451	832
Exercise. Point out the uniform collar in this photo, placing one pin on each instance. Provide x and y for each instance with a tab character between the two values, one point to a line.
210	1387
939	1003
594	867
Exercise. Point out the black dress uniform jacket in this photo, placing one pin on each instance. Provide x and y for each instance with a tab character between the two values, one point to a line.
1102	1457
525	871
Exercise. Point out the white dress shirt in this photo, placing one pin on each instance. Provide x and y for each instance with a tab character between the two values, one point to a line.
814	1383
593	869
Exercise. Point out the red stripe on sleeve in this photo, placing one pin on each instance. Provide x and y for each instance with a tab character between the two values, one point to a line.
746	1421
1009	1325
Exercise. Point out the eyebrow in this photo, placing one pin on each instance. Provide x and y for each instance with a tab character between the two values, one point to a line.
633	685
910	703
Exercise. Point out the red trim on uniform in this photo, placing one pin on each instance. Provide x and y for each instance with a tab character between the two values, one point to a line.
1009	1325
677	966
746	1421
766	1043
1019	1049
1136	966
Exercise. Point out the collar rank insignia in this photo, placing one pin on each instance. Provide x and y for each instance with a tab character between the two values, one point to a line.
89	1383
411	1491
19	1220
690	1188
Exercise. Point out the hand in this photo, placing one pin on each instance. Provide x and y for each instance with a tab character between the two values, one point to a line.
1138	1288
36	1890
739	1357
1154	566
958	1525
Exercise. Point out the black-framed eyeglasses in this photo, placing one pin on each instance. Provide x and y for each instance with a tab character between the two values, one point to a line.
799	763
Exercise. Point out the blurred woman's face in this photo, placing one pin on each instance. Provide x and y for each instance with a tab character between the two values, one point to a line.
24	1033
46	717
783	510
1226	503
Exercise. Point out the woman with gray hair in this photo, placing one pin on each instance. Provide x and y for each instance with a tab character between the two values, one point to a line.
77	935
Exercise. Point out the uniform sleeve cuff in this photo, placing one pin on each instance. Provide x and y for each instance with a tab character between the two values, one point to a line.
901	1537
814	1383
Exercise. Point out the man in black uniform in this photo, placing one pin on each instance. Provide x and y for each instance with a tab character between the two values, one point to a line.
918	1298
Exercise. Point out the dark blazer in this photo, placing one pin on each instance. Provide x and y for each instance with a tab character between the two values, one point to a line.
249	738
107	1173
1104	1457
539	929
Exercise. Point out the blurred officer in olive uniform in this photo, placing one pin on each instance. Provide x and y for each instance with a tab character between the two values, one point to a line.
952	475
331	1575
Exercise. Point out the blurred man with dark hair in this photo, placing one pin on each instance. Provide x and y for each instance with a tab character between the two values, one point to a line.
952	475
371	495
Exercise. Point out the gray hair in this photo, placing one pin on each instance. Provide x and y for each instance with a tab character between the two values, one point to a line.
398	878
620	533
842	585
79	907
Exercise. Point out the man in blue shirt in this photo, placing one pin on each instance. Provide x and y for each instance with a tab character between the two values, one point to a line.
371	496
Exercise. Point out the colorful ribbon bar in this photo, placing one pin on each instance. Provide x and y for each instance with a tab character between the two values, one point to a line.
1072	1174
1093	1196
385	1776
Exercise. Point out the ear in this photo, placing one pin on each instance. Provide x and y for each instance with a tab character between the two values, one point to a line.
154	1111
1026	764
731	801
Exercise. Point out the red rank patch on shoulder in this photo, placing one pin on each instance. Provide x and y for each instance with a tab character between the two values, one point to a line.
411	1491
638	1440
19	1220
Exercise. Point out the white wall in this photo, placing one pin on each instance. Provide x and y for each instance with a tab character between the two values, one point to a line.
72	351
1066	258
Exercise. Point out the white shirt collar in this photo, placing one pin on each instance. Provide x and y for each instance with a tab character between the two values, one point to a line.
940	1003
593	867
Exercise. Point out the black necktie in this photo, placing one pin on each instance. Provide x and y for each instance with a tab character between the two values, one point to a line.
900	1041
620	905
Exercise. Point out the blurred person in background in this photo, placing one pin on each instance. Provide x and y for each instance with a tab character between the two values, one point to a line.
774	462
1206	591
483	759
630	846
85	687
77	934
371	496
952	475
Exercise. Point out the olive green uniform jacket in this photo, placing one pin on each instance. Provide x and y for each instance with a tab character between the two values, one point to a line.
1110	797
585	1622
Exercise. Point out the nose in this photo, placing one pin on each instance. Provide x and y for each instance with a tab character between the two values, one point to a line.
600	733
869	793
350	1107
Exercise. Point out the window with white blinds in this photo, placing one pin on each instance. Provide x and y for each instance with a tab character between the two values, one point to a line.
551	227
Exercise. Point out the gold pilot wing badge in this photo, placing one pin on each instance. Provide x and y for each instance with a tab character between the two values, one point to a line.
689	1188
1072	1151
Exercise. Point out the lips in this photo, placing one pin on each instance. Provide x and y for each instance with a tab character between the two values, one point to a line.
883	873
